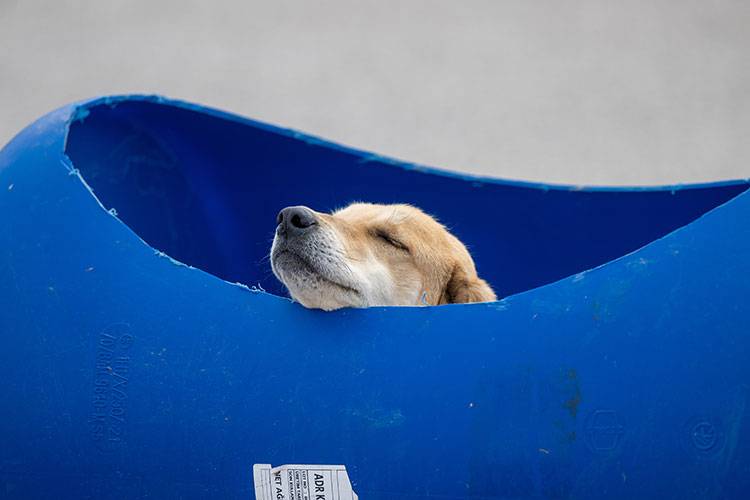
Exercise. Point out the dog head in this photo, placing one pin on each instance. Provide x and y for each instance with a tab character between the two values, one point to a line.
371	255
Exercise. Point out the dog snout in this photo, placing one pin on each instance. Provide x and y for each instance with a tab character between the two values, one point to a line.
296	221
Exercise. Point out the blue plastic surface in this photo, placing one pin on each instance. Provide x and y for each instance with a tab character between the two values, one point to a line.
616	366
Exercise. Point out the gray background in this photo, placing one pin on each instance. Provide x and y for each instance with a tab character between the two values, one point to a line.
580	92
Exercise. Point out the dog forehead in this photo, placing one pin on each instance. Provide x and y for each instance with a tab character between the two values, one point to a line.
374	214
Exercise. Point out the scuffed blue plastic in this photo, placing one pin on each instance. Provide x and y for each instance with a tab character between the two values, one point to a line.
616	366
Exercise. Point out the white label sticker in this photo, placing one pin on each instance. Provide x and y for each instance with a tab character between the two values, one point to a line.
302	482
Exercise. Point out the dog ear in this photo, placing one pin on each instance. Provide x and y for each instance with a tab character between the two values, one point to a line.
463	288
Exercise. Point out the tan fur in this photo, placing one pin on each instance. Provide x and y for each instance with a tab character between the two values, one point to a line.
390	255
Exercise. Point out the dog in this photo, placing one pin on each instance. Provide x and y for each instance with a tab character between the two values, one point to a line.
368	255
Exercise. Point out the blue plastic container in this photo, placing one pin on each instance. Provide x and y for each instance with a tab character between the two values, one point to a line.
616	366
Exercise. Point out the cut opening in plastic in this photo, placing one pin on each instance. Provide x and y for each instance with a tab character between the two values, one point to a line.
205	190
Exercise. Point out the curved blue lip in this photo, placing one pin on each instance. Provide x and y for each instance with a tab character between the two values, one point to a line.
81	107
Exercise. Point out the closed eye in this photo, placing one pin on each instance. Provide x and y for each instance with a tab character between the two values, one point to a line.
388	238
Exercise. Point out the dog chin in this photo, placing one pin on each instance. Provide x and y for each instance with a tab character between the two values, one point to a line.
325	296
310	287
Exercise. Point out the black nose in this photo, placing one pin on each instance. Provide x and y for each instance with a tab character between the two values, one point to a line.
296	220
